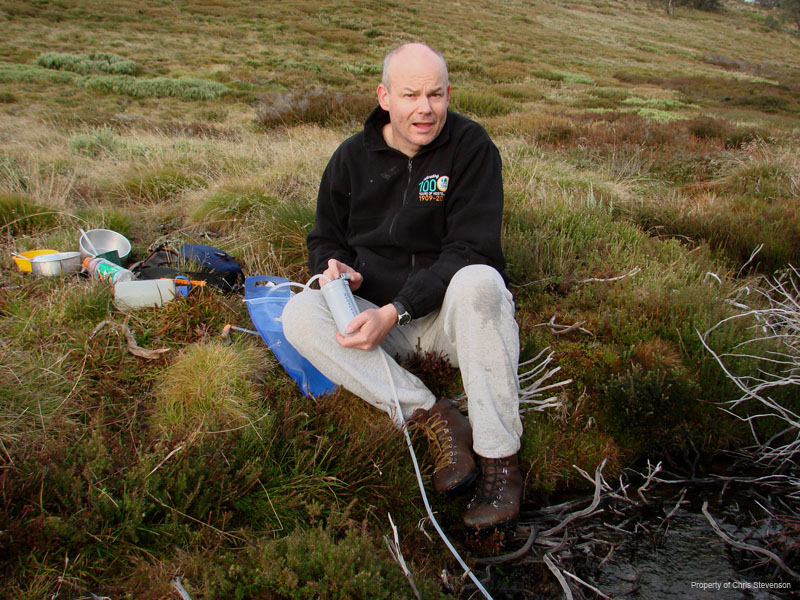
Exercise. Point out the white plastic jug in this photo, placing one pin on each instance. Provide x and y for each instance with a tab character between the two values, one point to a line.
143	293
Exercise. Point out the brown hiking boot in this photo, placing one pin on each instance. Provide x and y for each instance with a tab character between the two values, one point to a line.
498	495
450	439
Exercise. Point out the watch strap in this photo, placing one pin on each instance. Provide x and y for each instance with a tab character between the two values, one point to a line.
403	316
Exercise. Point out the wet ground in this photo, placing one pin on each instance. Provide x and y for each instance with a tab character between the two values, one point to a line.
685	559
663	547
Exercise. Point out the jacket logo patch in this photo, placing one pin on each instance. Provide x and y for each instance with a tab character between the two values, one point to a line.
433	187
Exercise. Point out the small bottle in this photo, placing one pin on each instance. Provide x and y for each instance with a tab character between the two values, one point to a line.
105	270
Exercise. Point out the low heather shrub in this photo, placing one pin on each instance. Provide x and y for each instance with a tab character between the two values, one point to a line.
318	106
480	104
314	563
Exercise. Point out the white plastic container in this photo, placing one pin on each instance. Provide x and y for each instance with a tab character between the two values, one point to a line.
143	293
341	302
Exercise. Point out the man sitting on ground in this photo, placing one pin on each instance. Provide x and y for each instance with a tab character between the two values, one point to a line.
411	208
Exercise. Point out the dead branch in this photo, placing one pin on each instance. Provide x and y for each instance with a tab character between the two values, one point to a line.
397	555
559	329
559	576
587	585
530	393
176	583
630	273
504	558
652	471
749	547
586	511
130	341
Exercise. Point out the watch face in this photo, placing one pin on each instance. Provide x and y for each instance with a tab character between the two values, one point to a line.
403	316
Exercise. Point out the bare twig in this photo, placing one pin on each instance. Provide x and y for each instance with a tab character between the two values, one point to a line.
749	260
165	459
586	511
630	273
496	560
130	341
176	583
397	555
559	576
583	583
652	471
559	329
749	547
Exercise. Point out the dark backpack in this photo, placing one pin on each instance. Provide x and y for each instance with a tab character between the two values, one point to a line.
195	261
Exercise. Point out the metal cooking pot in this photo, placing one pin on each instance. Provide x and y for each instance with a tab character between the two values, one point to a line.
98	241
58	263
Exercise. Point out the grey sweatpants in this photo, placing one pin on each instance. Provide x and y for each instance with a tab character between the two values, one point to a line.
474	328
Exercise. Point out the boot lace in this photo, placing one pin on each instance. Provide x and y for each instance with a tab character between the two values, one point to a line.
493	481
440	439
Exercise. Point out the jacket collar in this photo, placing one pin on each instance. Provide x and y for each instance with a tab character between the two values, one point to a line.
373	132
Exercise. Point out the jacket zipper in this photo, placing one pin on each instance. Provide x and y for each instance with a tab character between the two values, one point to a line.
405	198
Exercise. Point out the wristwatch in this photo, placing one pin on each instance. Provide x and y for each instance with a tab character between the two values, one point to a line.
403	316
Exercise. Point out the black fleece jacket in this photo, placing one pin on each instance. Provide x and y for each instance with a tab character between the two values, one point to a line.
408	224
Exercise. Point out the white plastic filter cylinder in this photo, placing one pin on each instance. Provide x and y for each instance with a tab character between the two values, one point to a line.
143	293
341	302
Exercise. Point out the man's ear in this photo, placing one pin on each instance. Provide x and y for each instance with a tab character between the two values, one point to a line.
383	96
448	94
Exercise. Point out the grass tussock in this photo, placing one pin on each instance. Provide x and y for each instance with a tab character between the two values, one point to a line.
209	385
154	186
44	383
231	207
19	215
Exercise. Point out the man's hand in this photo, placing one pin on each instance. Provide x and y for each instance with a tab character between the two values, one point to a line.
370	328
336	268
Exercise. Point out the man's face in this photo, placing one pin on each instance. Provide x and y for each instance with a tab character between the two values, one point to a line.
417	100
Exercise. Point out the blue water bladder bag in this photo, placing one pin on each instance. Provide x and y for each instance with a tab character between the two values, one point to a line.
265	297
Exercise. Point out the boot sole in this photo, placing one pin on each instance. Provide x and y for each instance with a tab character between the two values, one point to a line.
487	529
462	485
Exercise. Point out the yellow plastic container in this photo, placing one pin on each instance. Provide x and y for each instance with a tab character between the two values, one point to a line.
25	265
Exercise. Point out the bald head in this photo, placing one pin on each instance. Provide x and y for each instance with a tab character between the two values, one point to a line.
413	53
415	92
